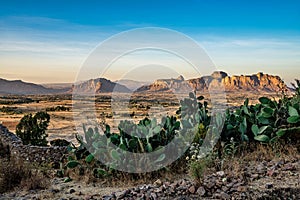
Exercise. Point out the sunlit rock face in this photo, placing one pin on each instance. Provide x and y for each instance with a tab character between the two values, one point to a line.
256	82
220	80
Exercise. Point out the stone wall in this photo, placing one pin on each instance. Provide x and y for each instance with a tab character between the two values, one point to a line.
29	153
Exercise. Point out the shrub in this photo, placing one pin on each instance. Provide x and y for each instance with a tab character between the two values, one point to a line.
57	109
197	169
10	110
32	129
13	174
11	100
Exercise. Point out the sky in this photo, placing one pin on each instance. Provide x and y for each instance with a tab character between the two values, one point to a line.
49	41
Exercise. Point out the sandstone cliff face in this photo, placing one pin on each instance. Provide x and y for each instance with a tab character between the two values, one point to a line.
256	82
176	84
100	85
220	80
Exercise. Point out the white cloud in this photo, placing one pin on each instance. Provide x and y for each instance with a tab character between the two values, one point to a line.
54	44
279	55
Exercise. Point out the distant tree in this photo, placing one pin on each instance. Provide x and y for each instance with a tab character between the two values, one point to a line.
32	129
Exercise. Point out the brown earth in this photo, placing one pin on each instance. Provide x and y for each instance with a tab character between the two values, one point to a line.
256	175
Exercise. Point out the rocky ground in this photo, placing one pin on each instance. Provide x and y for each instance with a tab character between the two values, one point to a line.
274	179
267	180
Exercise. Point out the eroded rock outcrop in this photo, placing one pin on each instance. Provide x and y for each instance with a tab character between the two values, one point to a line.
220	80
176	84
257	82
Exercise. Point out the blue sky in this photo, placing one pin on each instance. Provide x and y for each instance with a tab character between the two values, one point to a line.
47	41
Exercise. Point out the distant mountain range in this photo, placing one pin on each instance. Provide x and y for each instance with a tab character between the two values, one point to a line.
131	84
19	87
257	82
58	85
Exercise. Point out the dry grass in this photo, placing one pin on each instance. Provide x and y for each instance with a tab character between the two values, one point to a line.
15	174
235	166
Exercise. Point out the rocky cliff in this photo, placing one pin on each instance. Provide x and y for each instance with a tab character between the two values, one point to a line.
257	82
166	84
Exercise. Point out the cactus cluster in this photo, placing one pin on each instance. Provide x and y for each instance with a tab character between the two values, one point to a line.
149	135
266	122
146	136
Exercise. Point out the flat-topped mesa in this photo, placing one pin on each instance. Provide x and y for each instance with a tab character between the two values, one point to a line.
259	82
256	82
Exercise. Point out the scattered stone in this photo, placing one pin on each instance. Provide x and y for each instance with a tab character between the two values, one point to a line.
174	185
54	191
225	189
79	193
221	173
225	195
229	185
289	167
158	182
192	189
241	189
72	191
269	185
104	197
154	196
167	183
183	183
90	197
210	185
255	176
238	184
261	169
201	191
121	195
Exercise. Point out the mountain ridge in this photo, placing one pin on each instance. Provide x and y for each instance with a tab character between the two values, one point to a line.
18	87
99	85
132	84
259	82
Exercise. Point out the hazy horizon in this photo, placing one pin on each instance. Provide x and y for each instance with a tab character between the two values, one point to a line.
47	42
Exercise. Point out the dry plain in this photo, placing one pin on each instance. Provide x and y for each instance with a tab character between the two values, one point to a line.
109	109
